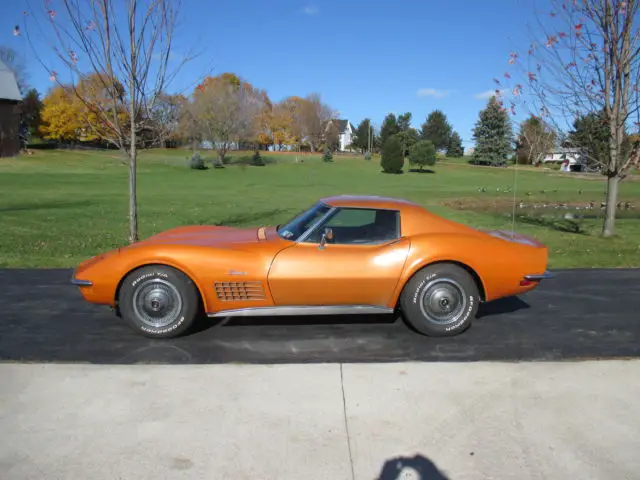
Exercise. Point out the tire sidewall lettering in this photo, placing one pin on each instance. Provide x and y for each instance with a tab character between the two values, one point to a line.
464	318
418	317
162	331
148	275
150	330
418	288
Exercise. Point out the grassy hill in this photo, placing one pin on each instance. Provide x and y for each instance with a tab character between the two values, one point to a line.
59	207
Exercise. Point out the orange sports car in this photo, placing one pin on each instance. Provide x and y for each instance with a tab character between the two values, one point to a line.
345	254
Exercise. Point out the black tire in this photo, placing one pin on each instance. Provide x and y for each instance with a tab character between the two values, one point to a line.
159	301
440	300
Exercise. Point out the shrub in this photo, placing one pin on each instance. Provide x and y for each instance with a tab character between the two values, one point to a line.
197	162
328	156
422	153
367	156
220	161
257	160
392	158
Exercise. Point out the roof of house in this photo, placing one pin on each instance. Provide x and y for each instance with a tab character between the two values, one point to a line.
8	85
563	150
342	125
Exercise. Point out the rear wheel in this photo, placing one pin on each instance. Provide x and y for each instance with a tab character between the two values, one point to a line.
159	301
440	300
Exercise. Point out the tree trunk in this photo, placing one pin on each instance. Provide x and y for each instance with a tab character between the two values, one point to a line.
609	228
133	164
222	152
133	200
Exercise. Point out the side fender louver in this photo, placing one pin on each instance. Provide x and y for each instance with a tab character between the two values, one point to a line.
236	291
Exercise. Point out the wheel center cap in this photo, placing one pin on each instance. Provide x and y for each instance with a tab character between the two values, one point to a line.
444	303
155	304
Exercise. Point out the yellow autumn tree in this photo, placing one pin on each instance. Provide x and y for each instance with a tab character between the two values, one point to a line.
81	113
61	115
263	120
103	104
283	122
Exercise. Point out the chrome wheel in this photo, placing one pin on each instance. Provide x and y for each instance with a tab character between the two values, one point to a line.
157	303
443	301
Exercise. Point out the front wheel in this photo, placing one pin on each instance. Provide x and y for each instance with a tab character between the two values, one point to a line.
159	301
440	300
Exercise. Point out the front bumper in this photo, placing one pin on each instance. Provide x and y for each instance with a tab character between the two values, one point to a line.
80	283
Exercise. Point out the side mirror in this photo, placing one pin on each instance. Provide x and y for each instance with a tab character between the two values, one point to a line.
326	235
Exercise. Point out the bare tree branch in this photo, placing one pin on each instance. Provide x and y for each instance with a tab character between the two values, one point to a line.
585	60
118	59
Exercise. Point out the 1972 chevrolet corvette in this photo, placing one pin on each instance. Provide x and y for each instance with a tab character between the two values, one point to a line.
345	254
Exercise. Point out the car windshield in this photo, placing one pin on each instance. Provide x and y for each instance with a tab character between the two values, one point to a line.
293	229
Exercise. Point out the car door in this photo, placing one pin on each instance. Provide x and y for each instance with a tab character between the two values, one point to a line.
364	270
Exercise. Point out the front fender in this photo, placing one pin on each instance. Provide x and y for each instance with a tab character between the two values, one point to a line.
203	265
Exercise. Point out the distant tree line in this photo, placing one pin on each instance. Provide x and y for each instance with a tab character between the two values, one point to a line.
496	143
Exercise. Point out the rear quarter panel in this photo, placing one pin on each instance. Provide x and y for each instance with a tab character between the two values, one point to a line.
499	264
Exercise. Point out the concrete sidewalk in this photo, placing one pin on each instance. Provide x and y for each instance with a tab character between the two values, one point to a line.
472	420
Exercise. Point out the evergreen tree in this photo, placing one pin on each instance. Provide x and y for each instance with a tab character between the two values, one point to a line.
437	129
389	128
404	122
257	160
493	133
392	157
197	162
408	139
591	136
455	148
362	136
30	109
408	136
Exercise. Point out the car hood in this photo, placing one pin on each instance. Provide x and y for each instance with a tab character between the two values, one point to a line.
209	236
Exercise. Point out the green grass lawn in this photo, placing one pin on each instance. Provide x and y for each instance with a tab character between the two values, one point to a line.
59	207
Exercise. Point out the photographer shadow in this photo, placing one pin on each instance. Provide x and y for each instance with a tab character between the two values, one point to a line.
417	467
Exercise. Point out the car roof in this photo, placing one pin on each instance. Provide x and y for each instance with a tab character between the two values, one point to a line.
416	218
368	201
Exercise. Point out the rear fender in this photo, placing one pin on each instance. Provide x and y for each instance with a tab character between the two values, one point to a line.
497	265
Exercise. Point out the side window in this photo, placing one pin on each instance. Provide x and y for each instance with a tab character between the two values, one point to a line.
352	217
352	226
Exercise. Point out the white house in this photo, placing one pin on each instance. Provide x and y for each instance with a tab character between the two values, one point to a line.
559	155
569	157
346	132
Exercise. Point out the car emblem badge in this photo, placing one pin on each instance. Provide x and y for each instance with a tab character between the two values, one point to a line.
235	272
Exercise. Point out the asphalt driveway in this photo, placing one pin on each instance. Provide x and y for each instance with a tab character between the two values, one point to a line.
581	314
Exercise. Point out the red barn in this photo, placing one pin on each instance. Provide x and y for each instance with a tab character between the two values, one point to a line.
10	99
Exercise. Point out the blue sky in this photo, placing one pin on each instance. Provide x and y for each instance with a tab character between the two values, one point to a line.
365	58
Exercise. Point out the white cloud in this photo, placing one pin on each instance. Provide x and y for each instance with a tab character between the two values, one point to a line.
489	93
433	92
310	10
